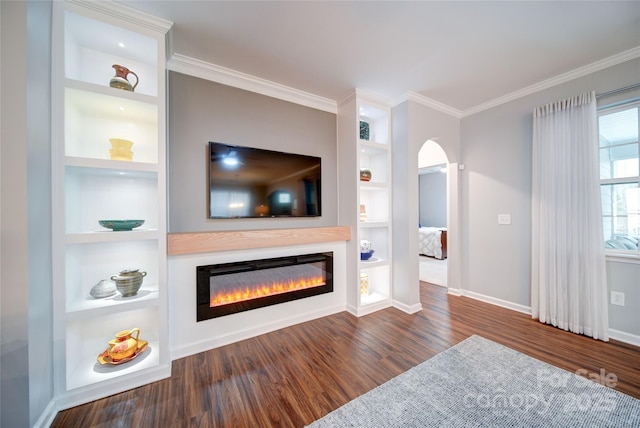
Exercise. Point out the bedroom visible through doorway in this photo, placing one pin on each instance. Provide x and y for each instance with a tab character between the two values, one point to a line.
432	213
433	271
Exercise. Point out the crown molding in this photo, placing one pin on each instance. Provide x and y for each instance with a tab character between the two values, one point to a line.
125	13
557	80
371	98
226	76
545	84
348	97
428	102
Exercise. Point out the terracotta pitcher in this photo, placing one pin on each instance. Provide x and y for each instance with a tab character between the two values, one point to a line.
124	345
120	80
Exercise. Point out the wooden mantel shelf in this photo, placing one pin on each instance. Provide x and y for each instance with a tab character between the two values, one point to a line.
206	242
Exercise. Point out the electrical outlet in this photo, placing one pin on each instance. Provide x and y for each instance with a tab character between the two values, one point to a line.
617	298
504	218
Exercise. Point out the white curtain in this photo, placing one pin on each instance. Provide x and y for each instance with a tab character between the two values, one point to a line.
568	272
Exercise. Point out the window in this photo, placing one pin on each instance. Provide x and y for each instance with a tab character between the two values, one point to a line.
231	203
620	176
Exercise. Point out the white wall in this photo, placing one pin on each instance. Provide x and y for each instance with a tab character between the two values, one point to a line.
431	154
412	125
405	282
187	336
25	212
496	151
39	206
14	349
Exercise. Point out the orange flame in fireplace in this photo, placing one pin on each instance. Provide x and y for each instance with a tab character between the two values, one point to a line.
263	290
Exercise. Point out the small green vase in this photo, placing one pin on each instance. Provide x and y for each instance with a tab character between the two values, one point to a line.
364	130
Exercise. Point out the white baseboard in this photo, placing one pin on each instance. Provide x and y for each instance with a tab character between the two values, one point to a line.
352	310
632	339
454	291
207	345
409	309
495	301
48	415
369	308
76	397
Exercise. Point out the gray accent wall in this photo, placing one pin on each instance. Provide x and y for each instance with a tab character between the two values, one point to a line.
201	111
433	199
624	277
496	151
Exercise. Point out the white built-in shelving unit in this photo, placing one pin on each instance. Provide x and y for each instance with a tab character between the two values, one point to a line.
88	38
373	197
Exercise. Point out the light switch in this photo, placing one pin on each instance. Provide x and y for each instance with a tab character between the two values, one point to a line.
504	218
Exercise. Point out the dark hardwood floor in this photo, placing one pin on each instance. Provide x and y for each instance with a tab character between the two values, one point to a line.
296	375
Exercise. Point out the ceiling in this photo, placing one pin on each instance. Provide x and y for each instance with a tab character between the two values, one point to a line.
461	54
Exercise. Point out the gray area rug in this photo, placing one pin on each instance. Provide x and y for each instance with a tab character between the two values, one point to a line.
479	383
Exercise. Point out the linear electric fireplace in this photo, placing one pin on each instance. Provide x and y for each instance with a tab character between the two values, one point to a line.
225	289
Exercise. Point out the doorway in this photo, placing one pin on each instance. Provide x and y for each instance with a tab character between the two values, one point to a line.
433	213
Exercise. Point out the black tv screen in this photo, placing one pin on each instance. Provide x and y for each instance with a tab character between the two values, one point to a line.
246	182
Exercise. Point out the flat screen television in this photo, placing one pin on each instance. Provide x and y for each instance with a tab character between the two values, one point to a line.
246	182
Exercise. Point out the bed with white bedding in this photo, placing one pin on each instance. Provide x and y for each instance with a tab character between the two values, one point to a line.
432	242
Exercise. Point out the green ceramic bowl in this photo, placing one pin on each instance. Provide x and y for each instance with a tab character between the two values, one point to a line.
121	225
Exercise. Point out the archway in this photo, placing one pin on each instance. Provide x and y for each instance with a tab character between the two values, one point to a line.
432	213
408	140
437	149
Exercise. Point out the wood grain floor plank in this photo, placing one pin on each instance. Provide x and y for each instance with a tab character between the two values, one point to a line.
293	376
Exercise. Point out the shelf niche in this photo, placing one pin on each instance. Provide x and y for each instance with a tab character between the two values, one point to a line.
89	186
366	205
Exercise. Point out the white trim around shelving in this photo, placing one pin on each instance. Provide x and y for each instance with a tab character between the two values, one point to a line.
125	13
409	309
373	262
148	297
68	390
373	185
373	224
99	236
108	166
369	308
108	91
115	385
